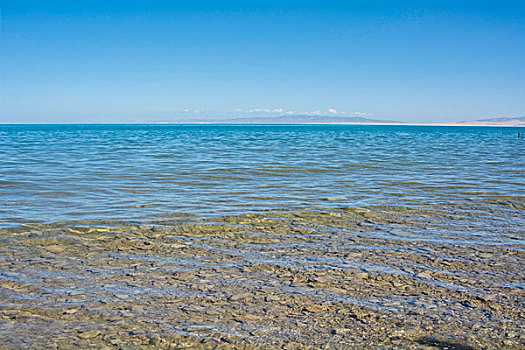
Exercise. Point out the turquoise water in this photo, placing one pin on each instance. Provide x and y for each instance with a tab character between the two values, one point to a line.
55	173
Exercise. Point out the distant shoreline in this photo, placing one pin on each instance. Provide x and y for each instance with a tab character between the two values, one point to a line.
364	124
468	124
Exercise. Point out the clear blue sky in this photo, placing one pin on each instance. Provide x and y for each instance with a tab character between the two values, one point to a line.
118	61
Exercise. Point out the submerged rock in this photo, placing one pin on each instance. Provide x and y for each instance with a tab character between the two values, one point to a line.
288	280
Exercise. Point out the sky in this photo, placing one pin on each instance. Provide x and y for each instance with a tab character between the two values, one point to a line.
145	61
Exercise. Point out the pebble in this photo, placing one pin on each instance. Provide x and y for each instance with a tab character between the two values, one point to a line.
55	249
89	334
425	275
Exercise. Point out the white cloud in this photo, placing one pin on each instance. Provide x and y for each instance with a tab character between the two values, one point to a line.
179	111
259	110
267	111
333	111
281	111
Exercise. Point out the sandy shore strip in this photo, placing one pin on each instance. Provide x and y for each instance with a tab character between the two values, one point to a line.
302	280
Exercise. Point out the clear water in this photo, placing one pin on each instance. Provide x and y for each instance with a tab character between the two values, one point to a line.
102	217
58	173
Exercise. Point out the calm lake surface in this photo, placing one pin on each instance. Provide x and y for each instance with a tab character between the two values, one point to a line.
128	172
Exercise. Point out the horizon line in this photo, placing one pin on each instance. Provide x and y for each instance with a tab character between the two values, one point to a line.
440	124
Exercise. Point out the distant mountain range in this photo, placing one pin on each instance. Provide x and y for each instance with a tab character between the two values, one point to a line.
294	119
503	120
305	119
315	119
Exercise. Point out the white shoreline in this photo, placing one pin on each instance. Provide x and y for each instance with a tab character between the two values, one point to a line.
218	122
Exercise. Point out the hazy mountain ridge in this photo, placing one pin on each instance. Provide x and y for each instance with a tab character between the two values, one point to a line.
498	121
293	119
502	119
315	119
304	119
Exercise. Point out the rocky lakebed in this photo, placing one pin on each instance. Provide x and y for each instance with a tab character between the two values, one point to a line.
379	278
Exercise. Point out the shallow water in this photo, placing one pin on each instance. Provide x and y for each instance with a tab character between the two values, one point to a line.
289	237
97	172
